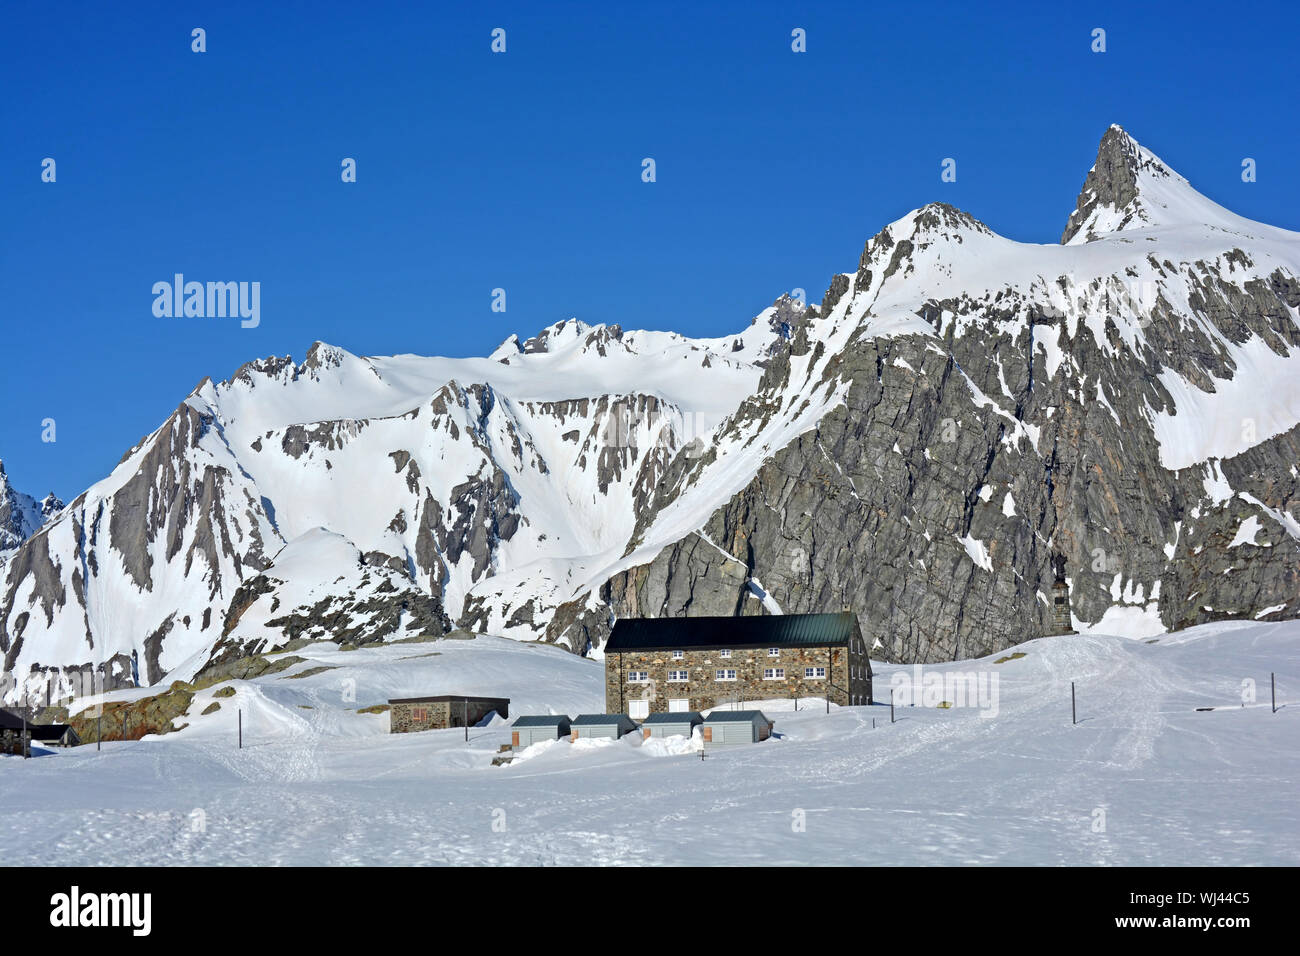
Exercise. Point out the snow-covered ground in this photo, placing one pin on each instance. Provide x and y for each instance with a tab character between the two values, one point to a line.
1143	778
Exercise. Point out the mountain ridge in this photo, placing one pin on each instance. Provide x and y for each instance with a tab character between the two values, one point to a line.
918	446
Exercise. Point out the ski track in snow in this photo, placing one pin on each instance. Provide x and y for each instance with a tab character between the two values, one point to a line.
329	786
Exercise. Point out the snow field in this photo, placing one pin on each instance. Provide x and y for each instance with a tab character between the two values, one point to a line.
318	783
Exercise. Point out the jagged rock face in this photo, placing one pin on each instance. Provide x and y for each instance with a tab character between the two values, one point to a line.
956	412
1112	181
21	516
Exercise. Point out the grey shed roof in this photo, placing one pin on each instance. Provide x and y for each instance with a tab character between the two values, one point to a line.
540	720
771	630
674	717
735	716
601	719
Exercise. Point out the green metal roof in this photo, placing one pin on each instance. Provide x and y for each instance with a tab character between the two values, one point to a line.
772	630
540	720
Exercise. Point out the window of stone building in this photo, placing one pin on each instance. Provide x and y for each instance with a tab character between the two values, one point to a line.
724	653
774	652
638	677
774	673
419	713
728	674
678	676
814	672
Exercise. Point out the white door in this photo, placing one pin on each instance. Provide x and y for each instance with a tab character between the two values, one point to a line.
678	706
638	709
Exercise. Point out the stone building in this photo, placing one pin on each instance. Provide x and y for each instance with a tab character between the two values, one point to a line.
410	714
653	665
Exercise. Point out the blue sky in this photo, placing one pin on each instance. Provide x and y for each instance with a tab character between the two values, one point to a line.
522	170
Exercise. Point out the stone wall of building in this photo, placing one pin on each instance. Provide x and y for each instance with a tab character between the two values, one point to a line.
846	681
411	717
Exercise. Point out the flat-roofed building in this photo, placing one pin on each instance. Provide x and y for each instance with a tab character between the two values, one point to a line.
412	714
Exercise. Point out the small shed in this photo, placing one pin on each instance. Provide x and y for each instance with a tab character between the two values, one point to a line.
55	735
726	727
534	728
588	726
678	723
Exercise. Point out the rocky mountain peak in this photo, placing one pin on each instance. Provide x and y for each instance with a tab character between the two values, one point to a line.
322	355
1129	187
941	217
555	336
21	516
51	505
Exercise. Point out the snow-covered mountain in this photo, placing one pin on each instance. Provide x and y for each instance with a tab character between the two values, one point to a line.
917	447
21	516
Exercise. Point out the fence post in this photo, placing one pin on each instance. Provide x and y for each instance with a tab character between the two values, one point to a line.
1074	714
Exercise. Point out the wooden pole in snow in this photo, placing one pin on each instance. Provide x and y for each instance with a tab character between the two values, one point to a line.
891	705
241	728
1272	680
1074	714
